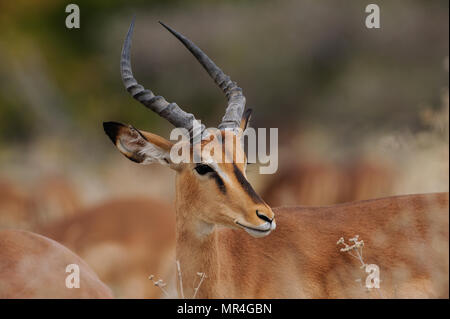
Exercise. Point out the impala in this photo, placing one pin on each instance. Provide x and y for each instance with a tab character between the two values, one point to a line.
49	200
314	183
223	226
124	241
14	207
34	266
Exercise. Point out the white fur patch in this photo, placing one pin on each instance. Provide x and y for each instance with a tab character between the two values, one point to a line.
215	166
153	154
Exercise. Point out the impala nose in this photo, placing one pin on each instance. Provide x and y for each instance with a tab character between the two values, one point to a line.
271	221
263	217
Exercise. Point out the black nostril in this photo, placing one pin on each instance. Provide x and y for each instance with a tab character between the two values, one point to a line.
263	217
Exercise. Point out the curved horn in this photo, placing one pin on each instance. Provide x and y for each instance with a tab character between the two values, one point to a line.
236	100
170	111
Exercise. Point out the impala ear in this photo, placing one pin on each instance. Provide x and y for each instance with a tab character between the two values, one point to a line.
245	120
139	146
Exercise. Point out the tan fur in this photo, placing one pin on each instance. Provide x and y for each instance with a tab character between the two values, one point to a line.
54	198
124	241
314	183
50	199
33	266
406	236
157	140
15	207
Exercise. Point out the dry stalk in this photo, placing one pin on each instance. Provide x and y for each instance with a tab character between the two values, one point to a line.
181	279
355	250
160	284
202	277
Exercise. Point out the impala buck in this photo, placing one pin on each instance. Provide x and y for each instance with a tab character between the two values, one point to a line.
226	231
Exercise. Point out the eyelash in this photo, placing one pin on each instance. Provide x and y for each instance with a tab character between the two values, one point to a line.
203	169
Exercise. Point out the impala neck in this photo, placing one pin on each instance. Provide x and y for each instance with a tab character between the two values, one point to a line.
196	250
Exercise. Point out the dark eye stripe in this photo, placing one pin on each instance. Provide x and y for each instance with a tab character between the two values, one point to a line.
246	185
220	183
204	169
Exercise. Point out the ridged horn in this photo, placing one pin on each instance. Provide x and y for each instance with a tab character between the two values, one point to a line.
236	100
170	111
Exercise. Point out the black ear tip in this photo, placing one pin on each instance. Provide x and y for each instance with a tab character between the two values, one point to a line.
112	130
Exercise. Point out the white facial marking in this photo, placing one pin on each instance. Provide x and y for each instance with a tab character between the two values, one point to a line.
215	166
257	231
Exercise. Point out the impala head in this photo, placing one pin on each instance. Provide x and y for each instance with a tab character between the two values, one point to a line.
215	190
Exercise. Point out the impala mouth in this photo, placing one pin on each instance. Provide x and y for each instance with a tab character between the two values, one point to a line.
258	231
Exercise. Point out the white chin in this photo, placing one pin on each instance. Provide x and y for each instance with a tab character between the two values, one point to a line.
257	234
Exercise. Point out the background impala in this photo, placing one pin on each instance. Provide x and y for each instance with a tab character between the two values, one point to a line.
353	107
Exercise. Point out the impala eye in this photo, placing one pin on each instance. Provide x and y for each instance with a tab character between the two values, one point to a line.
203	169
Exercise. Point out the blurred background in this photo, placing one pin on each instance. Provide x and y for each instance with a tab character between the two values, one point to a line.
362	113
